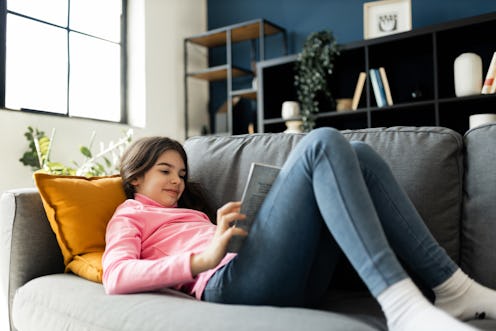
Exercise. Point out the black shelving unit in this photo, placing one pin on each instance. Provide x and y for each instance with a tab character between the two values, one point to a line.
227	37
417	62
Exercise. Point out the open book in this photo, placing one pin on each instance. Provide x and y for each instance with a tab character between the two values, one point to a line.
257	187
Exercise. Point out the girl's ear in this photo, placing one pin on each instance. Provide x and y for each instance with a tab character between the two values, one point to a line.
134	182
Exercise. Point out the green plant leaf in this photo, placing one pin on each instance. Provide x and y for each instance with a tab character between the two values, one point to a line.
107	162
86	151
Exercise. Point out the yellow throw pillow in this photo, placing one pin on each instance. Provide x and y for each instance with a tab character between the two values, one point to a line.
78	209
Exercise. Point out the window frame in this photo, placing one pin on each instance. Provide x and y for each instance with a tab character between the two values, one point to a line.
123	69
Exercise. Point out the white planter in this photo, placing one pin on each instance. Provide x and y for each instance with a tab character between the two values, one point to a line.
481	119
290	109
468	74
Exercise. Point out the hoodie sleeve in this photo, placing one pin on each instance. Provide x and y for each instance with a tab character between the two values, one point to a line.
124	271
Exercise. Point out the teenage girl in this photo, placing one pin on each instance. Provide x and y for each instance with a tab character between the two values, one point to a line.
331	196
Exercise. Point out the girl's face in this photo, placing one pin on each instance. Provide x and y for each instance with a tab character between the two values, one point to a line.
164	181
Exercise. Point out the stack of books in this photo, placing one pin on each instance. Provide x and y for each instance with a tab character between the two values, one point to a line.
380	86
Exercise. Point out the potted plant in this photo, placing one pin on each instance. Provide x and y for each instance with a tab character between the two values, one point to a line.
314	65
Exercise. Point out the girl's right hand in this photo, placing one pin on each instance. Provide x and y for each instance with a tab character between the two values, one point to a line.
217	249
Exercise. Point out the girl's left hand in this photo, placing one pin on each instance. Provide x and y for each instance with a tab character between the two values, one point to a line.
217	249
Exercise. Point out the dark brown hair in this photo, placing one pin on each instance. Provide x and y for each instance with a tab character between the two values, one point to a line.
143	154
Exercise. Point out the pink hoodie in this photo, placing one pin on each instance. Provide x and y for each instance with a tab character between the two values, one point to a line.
148	247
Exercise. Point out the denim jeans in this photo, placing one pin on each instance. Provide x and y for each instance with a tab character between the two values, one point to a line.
331	196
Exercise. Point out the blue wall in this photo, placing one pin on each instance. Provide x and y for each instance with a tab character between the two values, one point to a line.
302	17
343	17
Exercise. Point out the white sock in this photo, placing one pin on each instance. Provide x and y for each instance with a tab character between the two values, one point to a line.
464	298
406	309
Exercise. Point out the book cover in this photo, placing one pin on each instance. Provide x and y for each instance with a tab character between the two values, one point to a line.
385	83
258	185
490	77
358	90
375	80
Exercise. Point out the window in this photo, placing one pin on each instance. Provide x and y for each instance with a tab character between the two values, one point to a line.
65	57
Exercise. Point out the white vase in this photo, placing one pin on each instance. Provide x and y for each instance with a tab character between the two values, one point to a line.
468	74
290	109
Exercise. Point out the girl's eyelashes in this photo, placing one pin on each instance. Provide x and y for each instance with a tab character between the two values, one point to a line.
166	172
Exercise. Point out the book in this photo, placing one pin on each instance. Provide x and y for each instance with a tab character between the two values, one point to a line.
490	77
375	79
259	182
385	83
358	90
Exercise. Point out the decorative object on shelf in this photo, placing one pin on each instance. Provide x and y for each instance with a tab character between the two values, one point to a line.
343	104
254	83
290	109
481	119
417	94
489	85
382	18
294	127
468	74
313	67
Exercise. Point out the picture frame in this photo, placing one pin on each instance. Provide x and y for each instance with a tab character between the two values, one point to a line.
385	17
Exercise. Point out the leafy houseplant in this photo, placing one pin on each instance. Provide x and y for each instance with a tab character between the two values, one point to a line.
102	163
314	65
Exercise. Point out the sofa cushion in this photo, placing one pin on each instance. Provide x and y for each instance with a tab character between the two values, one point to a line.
427	162
78	209
67	302
479	213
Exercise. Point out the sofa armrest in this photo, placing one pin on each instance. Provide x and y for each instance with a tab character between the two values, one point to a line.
29	247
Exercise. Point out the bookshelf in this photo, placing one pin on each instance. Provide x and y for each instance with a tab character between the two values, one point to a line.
419	67
226	38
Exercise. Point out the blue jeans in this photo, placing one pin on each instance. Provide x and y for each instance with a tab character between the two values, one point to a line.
330	196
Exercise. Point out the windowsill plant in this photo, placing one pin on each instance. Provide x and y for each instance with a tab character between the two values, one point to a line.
105	162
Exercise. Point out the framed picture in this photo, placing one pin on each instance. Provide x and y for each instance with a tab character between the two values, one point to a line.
382	18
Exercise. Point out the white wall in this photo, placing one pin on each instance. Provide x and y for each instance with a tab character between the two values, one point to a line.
156	93
156	99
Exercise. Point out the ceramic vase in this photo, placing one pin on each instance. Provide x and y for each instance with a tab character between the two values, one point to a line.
289	112
468	74
290	109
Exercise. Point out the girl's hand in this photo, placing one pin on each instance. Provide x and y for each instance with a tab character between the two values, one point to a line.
216	251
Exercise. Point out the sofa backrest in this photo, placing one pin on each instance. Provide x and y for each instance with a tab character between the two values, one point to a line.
478	251
427	161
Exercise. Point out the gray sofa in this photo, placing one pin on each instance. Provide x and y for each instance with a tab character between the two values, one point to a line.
450	178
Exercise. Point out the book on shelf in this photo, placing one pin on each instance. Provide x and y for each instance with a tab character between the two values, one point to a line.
385	84
358	90
380	95
487	87
259	182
